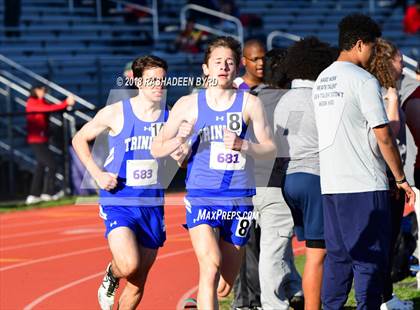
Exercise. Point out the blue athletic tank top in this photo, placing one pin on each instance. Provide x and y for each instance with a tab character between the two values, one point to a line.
213	171
129	158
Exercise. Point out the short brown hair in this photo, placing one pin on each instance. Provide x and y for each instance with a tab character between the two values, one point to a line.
381	62
32	92
147	62
227	42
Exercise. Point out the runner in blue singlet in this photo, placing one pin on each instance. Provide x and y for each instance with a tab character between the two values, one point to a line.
131	195
211	126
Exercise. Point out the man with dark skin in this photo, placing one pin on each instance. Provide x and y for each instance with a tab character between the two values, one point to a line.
257	268
247	286
355	146
253	61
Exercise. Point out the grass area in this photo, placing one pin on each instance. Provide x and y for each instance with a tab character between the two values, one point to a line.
405	290
20	205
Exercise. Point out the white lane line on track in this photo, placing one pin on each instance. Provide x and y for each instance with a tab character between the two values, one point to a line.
53	257
83	231
176	200
49	258
187	294
60	289
66	219
46	231
90	277
50	221
28	245
19	214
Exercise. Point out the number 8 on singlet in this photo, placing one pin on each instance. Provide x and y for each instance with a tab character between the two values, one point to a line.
234	122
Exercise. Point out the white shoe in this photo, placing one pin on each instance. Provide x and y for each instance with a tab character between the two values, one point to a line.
46	197
58	195
397	304
31	199
106	292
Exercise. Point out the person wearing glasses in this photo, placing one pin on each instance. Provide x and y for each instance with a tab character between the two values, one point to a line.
255	286
253	61
247	289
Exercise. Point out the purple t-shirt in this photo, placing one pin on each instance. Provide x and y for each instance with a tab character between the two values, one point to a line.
240	84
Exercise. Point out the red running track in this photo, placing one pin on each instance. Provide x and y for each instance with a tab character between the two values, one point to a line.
55	259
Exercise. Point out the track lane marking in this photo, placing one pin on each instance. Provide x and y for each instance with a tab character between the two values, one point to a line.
28	245
46	231
11	260
54	257
43	297
187	294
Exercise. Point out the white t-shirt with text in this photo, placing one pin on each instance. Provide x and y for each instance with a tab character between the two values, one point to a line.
348	105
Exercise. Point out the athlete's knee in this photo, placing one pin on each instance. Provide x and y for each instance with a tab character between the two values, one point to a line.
129	267
210	270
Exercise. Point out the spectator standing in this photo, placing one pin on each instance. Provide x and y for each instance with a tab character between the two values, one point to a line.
386	65
355	143
412	18
188	40
409	92
296	133
38	110
247	291
274	218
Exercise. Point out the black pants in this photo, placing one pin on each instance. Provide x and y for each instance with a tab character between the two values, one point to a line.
45	159
417	177
246	288
397	210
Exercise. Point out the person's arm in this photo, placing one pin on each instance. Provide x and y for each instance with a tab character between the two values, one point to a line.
392	157
176	130
181	154
373	110
392	111
389	150
35	105
81	141
265	148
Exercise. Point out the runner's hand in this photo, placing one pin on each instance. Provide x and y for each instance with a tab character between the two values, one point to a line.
180	154
106	181
185	131
232	141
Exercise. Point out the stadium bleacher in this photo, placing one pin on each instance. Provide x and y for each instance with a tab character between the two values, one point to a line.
52	41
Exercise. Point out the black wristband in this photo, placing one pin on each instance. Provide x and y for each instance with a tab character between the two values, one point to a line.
401	181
